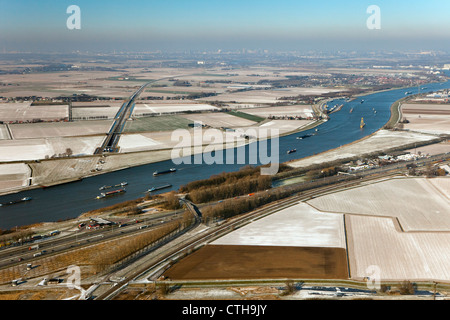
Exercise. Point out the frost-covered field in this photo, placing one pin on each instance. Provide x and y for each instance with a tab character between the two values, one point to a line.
418	203
33	149
374	241
299	225
299	110
400	226
59	129
219	119
23	111
13	175
141	109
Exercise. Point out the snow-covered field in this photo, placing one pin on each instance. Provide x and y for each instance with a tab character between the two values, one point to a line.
419	204
25	112
33	149
140	109
13	175
299	225
376	246
299	110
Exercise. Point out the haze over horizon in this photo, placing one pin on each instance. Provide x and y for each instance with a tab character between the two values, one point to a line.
140	25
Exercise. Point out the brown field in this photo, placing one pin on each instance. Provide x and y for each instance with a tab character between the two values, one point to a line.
261	262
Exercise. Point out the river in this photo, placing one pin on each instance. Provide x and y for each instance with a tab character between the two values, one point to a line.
70	200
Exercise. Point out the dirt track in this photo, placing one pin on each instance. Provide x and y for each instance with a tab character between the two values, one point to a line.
261	262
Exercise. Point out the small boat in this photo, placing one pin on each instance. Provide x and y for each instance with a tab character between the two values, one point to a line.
25	199
351	110
122	184
157	173
159	188
362	101
111	193
105	187
291	151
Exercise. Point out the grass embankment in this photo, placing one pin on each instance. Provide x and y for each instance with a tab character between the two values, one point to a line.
396	114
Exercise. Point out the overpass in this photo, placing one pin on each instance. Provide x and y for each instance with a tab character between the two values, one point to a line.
109	145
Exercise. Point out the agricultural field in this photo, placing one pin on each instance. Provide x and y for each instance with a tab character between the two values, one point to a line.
159	123
376	241
428	118
400	226
282	111
269	95
95	112
59	129
141	109
24	111
297	242
298	226
261	262
4	134
33	149
220	119
418	204
432	149
14	175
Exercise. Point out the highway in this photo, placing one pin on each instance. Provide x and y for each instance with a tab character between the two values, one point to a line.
78	239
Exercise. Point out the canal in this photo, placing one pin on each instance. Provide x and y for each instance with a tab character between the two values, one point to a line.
70	200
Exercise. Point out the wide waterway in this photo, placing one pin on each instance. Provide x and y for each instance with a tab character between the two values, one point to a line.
72	199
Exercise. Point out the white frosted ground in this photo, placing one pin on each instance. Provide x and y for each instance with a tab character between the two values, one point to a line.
136	142
419	204
145	108
32	149
374	241
298	226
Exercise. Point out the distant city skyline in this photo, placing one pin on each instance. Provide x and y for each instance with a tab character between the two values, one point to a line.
143	25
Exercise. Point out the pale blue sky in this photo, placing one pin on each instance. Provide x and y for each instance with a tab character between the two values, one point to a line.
223	24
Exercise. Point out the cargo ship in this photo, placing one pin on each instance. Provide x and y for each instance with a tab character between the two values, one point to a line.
122	184
362	125
159	188
157	173
111	193
305	136
292	151
25	199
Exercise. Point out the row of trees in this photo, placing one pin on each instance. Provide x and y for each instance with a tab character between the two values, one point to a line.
222	178
233	207
123	248
229	190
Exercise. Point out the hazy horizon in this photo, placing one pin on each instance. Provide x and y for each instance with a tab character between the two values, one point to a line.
228	25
